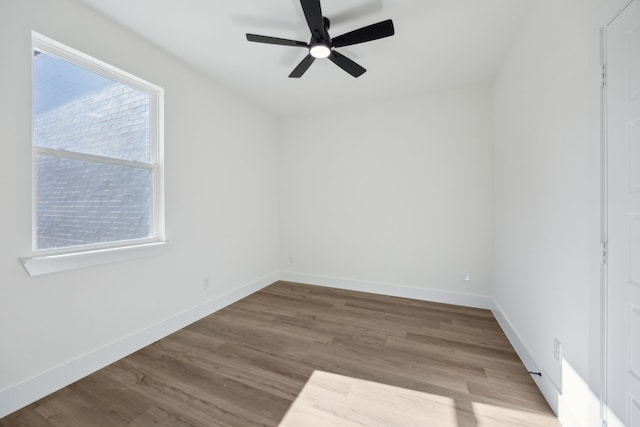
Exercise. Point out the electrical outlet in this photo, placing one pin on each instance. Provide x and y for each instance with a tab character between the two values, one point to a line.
206	283
557	350
467	276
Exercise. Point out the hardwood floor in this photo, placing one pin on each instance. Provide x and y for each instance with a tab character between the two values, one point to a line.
298	355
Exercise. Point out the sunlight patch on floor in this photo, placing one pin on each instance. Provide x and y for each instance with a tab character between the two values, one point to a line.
335	400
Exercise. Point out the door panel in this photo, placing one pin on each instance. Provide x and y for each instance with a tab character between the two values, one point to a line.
623	190
634	153
634	344
633	40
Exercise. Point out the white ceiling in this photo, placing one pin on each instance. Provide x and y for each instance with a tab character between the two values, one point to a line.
437	44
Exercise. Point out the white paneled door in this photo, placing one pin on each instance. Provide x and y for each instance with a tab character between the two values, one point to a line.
623	190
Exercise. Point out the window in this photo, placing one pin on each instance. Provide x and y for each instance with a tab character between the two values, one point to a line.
97	154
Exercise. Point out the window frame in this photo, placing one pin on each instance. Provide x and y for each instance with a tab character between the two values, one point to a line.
43	44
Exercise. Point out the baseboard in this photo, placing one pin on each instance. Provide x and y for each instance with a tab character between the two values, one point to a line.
572	400
548	389
20	395
390	289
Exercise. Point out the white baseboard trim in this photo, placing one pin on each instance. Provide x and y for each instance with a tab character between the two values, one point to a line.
23	394
548	389
390	289
572	400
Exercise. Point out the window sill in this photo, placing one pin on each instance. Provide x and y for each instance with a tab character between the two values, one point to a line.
39	265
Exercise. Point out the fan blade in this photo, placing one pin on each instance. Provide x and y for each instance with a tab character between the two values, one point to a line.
313	14
365	34
346	64
275	40
302	67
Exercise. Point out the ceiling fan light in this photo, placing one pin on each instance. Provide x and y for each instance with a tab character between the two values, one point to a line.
320	51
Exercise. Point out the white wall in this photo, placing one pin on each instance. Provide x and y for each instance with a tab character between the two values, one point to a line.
391	197
221	203
546	183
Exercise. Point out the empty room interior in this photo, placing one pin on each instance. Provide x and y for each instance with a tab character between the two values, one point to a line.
422	244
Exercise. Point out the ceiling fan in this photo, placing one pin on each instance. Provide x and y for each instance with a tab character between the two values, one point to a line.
323	46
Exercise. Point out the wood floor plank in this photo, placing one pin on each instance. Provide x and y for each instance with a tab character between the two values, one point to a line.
300	355
27	417
235	368
98	391
464	347
73	409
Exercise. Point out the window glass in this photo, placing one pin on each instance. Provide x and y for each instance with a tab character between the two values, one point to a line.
78	110
82	203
